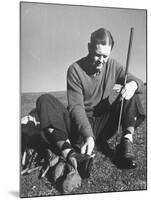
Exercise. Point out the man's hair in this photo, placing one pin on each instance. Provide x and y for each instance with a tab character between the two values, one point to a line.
101	36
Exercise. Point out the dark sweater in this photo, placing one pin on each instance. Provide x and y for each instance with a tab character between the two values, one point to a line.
85	91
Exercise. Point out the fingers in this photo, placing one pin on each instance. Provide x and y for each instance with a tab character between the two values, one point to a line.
128	96
86	149
117	88
83	149
123	92
126	93
89	150
128	90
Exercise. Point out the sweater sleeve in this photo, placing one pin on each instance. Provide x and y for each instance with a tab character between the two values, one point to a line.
120	75
76	103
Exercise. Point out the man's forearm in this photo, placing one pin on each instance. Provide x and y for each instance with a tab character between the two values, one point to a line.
81	121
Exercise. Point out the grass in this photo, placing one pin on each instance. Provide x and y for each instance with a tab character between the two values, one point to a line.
105	177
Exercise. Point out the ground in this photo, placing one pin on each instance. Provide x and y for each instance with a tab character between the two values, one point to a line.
105	176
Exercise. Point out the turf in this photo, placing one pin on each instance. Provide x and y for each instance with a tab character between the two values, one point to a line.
105	176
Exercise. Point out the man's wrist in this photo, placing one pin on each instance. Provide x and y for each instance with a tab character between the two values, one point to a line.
135	84
89	138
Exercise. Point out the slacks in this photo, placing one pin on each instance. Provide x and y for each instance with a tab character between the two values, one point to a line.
53	114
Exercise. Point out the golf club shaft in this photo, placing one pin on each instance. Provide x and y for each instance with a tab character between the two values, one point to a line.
126	72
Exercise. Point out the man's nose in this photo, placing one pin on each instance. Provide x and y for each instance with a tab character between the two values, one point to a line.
101	59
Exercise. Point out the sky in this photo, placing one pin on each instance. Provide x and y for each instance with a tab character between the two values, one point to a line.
53	36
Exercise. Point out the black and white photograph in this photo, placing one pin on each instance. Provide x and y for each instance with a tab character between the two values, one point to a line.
83	107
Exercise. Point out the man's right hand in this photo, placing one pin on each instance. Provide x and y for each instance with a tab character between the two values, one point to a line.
88	146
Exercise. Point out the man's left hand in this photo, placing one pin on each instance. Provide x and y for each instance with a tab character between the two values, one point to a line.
128	91
88	146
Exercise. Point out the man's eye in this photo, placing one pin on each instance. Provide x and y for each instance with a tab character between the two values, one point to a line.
104	56
99	56
103	42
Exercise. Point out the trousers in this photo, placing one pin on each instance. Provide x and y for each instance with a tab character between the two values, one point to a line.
53	114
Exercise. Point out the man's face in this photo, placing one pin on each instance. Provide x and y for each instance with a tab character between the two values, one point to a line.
100	54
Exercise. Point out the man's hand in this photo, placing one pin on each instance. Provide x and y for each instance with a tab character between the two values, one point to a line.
128	91
88	147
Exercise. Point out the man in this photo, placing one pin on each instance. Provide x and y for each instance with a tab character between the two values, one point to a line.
91	118
90	81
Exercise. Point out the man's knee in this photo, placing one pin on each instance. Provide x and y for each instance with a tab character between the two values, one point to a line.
42	99
134	102
136	97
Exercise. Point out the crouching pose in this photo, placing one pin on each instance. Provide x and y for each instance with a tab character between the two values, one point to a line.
90	81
